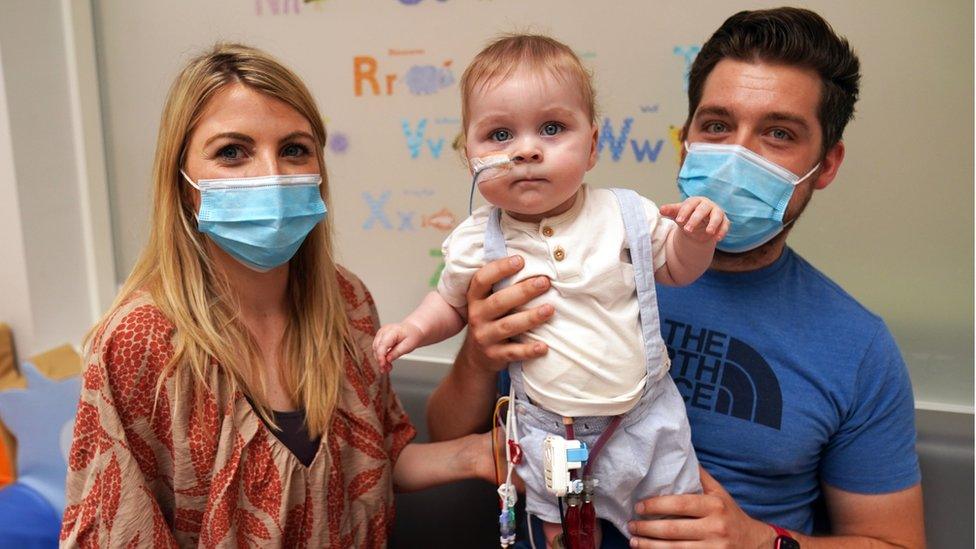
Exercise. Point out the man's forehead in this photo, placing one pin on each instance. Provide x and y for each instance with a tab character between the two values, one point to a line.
761	90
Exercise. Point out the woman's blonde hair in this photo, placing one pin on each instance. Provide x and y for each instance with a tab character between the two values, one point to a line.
535	52
176	270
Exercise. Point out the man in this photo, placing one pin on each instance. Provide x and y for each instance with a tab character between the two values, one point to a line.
795	393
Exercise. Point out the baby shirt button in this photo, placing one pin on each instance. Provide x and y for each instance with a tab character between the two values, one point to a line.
559	254
547	231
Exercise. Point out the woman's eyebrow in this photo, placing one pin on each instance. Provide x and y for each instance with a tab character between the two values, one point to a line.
231	135
293	135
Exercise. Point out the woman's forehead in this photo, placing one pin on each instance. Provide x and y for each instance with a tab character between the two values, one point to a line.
247	109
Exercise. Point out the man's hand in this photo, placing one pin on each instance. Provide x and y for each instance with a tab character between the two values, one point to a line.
711	519
462	403
490	319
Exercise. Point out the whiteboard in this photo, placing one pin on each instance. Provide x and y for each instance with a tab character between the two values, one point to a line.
895	229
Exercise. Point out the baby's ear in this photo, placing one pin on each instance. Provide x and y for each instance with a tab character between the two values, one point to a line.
593	147
461	148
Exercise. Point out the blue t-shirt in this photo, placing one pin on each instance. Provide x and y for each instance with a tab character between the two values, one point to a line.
789	382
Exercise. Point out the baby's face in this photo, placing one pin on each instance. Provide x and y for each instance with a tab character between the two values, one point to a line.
541	123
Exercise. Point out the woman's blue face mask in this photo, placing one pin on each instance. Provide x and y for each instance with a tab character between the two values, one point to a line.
260	221
753	191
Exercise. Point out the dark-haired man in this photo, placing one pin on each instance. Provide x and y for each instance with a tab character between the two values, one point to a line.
795	392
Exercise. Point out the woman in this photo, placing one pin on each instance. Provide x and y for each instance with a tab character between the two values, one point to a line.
229	396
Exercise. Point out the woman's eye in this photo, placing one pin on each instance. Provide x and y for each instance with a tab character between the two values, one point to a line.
501	135
230	152
552	128
294	149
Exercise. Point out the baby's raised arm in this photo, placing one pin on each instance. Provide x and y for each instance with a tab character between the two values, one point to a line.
432	321
690	246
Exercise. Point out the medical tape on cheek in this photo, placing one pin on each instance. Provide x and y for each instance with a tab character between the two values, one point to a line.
490	167
486	168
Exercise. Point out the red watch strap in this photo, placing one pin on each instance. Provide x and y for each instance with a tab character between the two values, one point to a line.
781	531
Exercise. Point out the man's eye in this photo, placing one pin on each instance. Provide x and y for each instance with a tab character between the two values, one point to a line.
501	135
552	128
294	149
715	127
780	134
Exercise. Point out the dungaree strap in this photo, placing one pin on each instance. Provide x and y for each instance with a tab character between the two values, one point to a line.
495	249
642	257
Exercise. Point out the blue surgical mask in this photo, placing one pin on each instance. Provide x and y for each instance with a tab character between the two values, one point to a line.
753	191
260	221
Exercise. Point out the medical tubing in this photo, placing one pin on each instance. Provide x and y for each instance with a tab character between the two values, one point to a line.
587	522
600	443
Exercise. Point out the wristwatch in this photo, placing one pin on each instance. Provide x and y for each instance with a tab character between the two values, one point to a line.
783	539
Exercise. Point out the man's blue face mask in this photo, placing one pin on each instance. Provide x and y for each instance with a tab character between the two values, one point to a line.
260	221
753	191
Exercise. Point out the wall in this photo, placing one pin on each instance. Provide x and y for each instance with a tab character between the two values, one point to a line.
55	280
894	229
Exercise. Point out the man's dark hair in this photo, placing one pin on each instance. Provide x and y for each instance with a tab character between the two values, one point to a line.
790	36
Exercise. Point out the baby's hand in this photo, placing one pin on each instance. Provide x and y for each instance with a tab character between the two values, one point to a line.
393	341
702	219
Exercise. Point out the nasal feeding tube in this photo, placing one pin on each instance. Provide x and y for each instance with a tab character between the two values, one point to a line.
491	166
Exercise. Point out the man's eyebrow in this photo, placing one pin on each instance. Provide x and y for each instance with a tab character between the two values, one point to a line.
787	117
712	110
231	135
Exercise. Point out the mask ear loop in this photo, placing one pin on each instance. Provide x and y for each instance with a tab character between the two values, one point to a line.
808	174
798	181
188	180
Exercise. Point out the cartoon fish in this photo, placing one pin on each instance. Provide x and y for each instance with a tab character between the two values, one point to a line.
442	220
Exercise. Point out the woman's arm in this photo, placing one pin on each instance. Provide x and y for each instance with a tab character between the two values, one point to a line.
425	465
462	403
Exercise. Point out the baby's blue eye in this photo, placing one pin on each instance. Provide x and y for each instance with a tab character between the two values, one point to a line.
501	135
552	128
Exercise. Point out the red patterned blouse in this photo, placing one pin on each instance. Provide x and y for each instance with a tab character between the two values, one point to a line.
209	473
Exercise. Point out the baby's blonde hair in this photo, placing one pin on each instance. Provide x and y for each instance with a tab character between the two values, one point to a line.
535	52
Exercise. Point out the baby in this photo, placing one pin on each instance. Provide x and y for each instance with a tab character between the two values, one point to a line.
528	101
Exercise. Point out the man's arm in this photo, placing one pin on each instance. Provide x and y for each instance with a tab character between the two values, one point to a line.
714	519
462	403
872	520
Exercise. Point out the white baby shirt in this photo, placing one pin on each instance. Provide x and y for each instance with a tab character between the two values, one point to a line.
595	364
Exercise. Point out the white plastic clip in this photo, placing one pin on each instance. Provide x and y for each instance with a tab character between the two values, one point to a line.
560	456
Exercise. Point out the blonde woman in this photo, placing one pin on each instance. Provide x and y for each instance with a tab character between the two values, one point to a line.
229	396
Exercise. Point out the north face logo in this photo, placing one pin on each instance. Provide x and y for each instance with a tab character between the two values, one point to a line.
716	372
